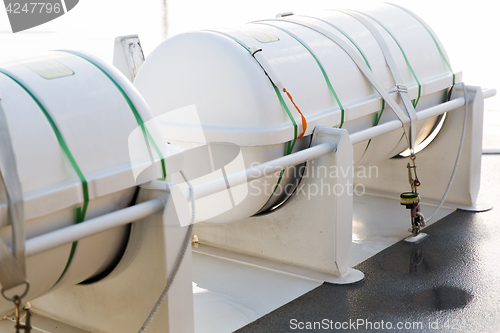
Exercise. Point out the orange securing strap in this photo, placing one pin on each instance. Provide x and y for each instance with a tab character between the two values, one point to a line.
304	121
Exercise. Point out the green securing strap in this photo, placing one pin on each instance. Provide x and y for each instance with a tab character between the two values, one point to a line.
277	91
376	116
376	120
342	32
283	104
432	36
137	116
290	144
80	211
327	80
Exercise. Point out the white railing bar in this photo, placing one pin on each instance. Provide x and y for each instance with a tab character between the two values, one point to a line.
124	216
392	125
261	170
93	226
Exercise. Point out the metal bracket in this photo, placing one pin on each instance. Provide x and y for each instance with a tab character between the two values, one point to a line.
128	56
401	88
319	214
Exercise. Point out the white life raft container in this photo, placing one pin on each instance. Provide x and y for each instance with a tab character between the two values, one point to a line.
70	118
217	79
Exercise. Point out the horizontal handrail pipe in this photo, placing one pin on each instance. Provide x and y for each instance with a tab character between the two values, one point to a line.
127	215
433	111
93	226
261	170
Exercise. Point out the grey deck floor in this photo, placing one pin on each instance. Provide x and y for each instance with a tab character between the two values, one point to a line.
449	282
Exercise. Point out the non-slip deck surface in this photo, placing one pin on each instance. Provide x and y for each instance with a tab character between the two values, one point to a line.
449	282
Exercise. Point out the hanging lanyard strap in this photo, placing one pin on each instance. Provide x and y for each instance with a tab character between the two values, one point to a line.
400	84
385	49
12	263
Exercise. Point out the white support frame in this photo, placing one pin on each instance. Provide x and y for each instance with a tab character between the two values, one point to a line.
314	229
435	163
122	301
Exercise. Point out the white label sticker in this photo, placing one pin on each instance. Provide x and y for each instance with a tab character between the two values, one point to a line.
48	68
261	35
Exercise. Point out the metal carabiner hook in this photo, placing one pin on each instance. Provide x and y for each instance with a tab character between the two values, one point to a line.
413	178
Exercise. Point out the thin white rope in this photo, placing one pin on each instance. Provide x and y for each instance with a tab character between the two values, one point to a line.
466	98
178	260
